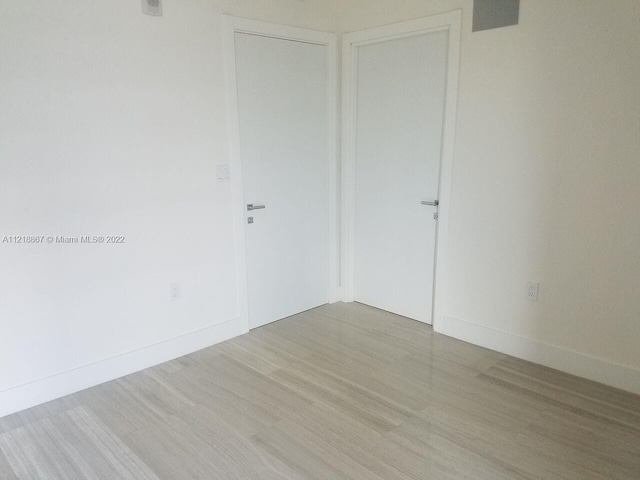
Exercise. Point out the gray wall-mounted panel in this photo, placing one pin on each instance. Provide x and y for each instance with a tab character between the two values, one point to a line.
489	14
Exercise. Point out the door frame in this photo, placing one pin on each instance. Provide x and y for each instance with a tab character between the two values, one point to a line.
451	22
230	26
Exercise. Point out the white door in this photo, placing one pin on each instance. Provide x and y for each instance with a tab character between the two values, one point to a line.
400	99
282	113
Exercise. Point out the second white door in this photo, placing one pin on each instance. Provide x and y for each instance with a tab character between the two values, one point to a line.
400	99
284	149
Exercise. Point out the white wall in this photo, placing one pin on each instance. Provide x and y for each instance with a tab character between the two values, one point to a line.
112	122
546	182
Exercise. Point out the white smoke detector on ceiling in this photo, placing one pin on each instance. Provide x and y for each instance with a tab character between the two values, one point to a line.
152	7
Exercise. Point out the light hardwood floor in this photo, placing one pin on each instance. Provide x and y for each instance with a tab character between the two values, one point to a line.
343	391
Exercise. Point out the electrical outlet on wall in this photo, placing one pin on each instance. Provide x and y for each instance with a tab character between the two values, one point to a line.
532	291
174	291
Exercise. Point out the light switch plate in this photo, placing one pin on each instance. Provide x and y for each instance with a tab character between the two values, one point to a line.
222	172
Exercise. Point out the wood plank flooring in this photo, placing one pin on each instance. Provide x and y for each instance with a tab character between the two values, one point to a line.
343	391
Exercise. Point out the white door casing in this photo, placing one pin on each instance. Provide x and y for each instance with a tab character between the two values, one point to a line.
360	205
282	116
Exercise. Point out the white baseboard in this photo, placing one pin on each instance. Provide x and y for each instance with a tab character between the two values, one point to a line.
40	391
575	363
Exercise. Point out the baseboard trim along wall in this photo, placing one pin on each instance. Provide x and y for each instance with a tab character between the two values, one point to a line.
50	388
575	363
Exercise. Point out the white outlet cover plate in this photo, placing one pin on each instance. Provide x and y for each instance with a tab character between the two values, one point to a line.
532	291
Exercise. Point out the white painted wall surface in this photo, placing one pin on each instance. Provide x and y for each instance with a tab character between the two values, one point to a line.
546	183
112	122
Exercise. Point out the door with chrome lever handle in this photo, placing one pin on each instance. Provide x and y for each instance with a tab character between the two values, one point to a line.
251	207
434	203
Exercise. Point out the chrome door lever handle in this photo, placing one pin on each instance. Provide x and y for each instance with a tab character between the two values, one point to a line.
435	203
251	207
